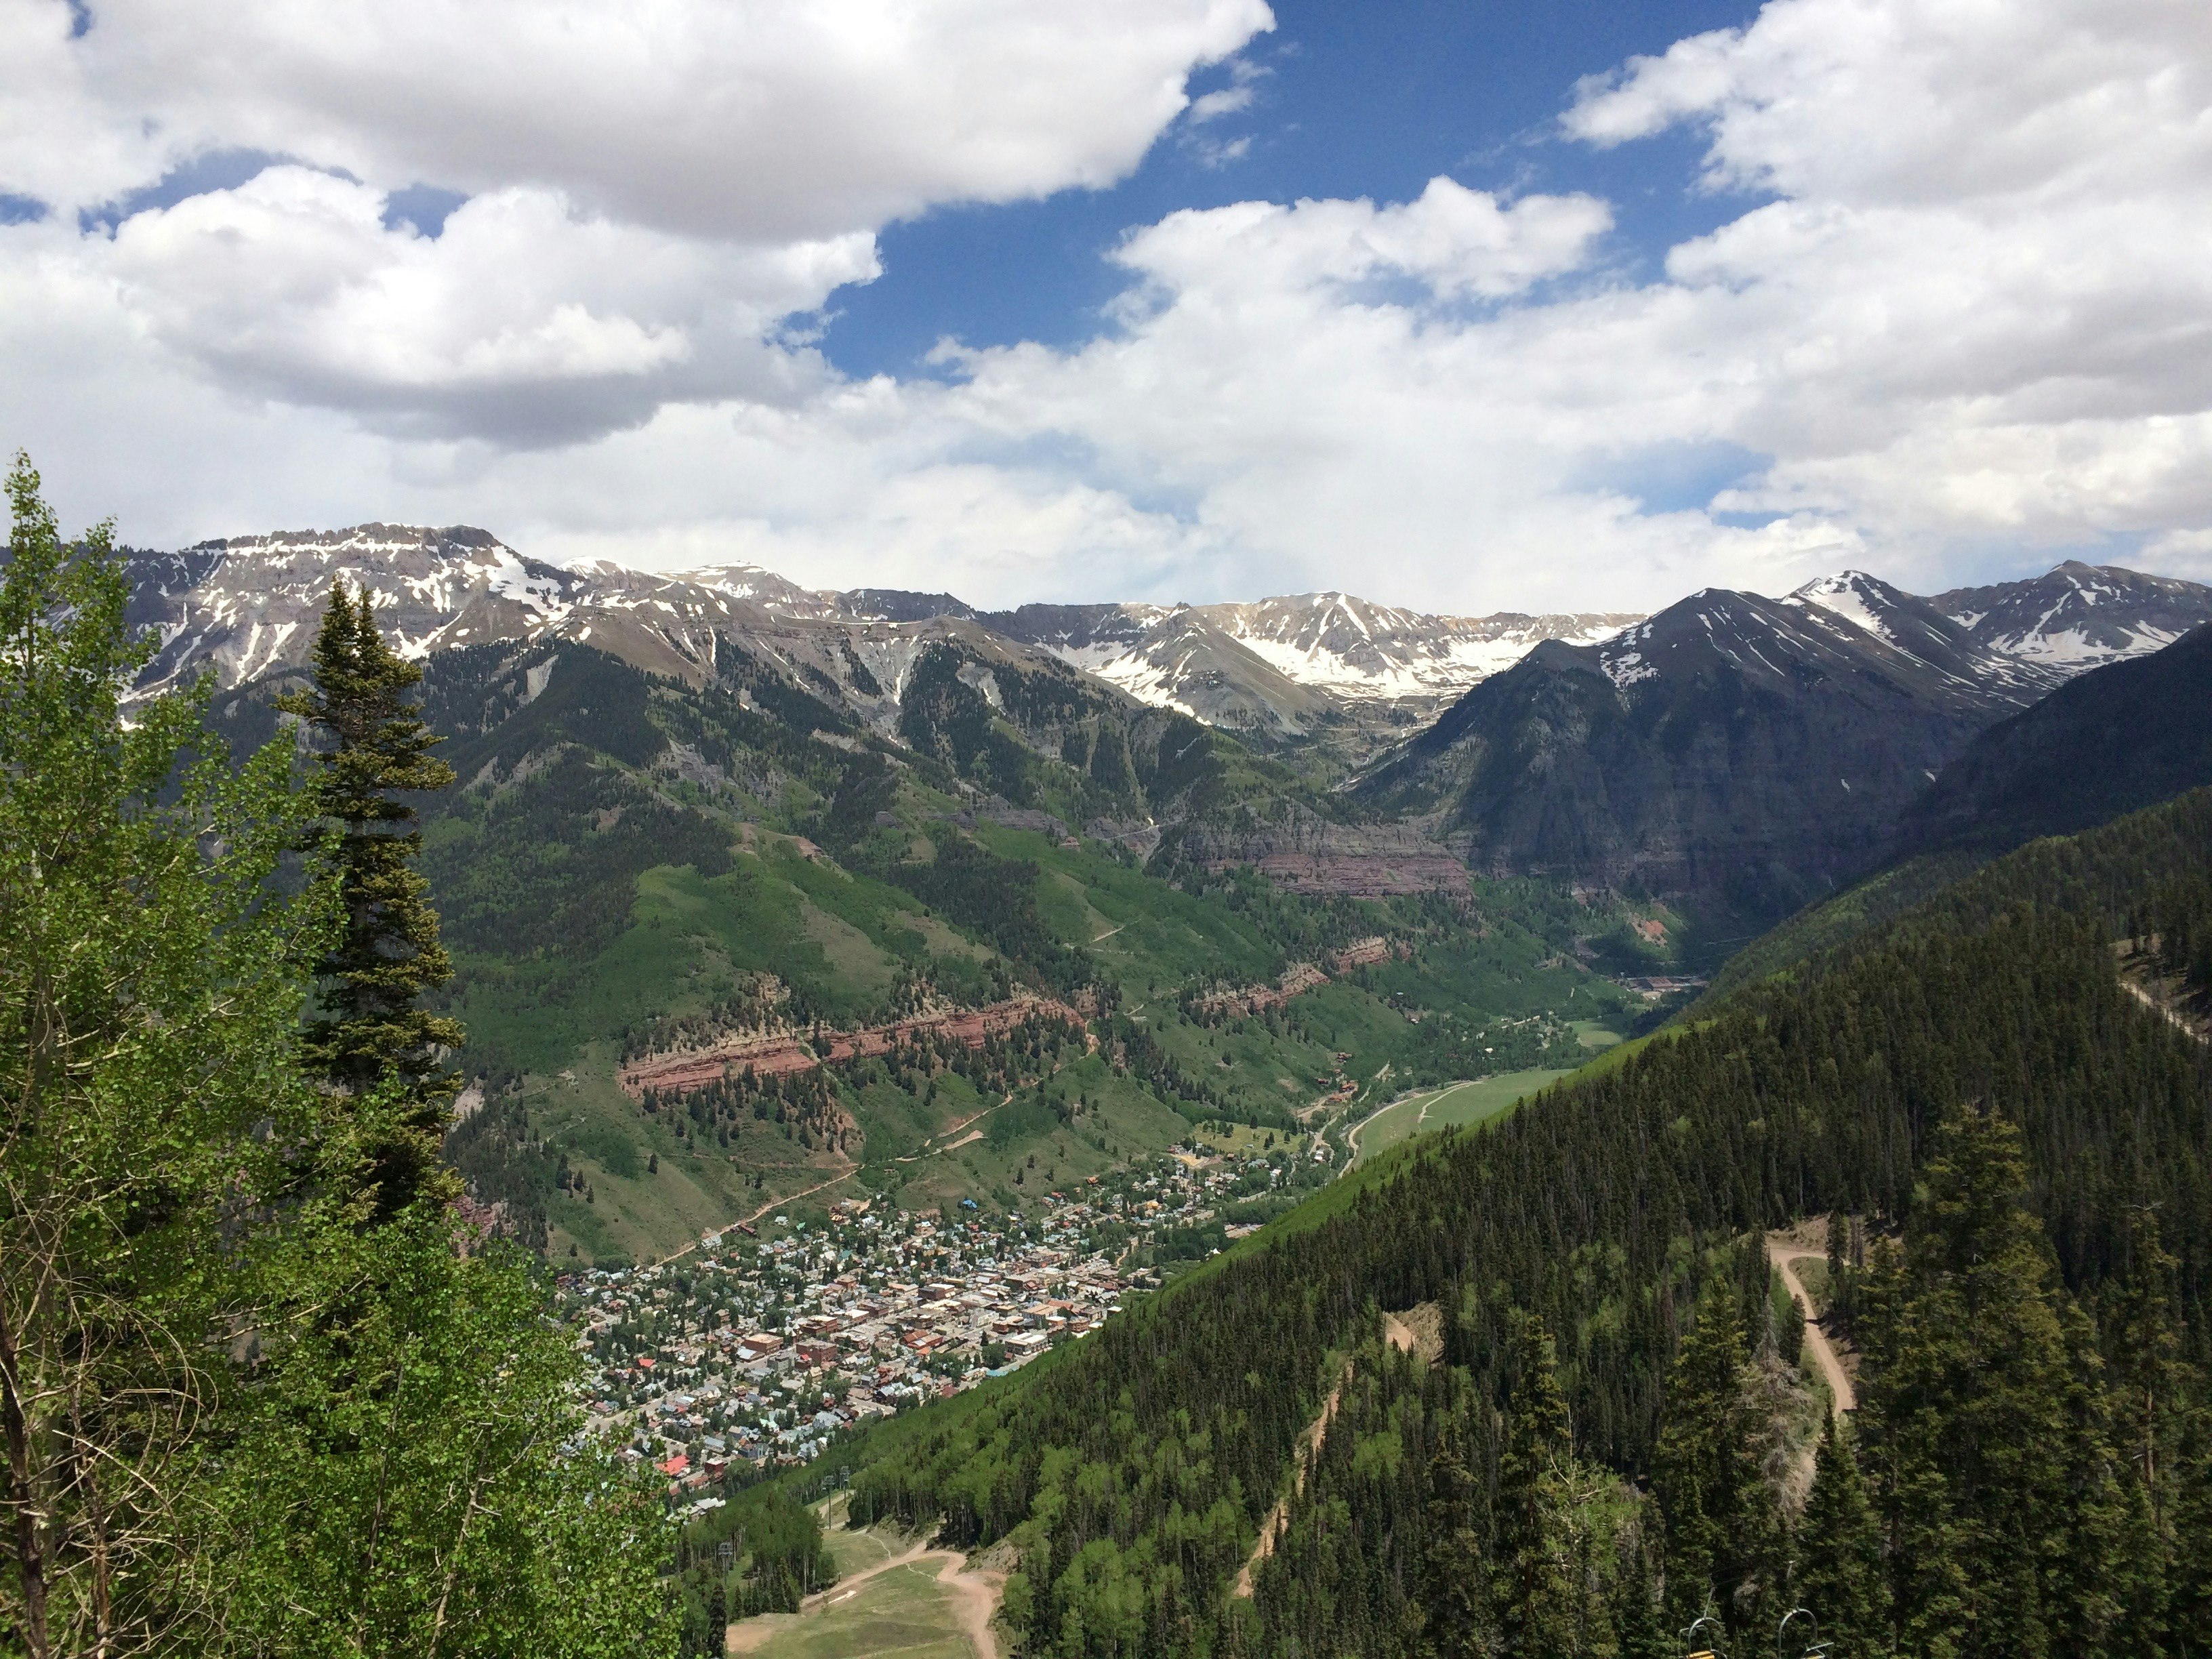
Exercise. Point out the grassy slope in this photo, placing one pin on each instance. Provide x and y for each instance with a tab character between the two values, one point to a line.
1454	1106
901	1610
841	938
570	938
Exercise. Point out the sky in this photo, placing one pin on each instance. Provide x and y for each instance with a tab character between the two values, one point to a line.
1464	306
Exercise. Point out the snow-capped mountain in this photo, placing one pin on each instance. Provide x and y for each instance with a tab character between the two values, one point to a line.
1286	665
1921	632
1747	753
1737	752
1283	668
2049	628
252	603
1371	652
2079	615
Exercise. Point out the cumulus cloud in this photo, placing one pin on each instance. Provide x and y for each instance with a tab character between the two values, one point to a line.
1962	324
523	317
646	192
744	118
1454	241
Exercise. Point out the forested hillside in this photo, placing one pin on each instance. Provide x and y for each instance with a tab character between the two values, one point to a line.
2120	739
635	871
1972	1089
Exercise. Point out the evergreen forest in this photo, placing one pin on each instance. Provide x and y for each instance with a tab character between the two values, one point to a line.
1613	1438
1864	1307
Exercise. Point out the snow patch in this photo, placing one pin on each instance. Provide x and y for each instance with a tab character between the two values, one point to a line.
1845	594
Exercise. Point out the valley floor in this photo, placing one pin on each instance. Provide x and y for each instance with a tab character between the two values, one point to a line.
1457	1104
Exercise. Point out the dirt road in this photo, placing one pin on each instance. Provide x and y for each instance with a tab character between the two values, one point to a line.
788	1198
1784	1256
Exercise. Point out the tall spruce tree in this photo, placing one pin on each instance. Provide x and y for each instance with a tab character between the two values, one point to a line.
1533	1586
1839	1569
370	1025
1637	1632
2148	1413
1705	1472
1453	1598
1983	1417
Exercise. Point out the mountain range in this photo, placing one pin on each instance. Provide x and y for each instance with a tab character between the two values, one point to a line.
1733	755
1744	754
1280	667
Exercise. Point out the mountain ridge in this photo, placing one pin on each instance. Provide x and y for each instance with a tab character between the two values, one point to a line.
1743	754
1748	754
1278	667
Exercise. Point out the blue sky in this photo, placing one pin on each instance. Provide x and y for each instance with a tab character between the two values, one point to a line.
1352	100
1471	306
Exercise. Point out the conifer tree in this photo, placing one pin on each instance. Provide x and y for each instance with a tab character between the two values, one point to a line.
1704	1470
1637	1629
2189	1590
2145	1363
369	1025
1839	1571
1992	1463
1534	1592
1454	1595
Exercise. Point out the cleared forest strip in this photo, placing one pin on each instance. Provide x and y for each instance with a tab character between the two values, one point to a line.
2174	1016
1279	1516
972	1599
1418	1330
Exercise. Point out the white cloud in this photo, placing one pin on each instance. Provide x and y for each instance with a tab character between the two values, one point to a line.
1969	320
523	318
1455	242
651	188
745	119
1867	102
1239	95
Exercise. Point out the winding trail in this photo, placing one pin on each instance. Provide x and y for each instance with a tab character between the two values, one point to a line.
1783	1254
2156	1006
954	1129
